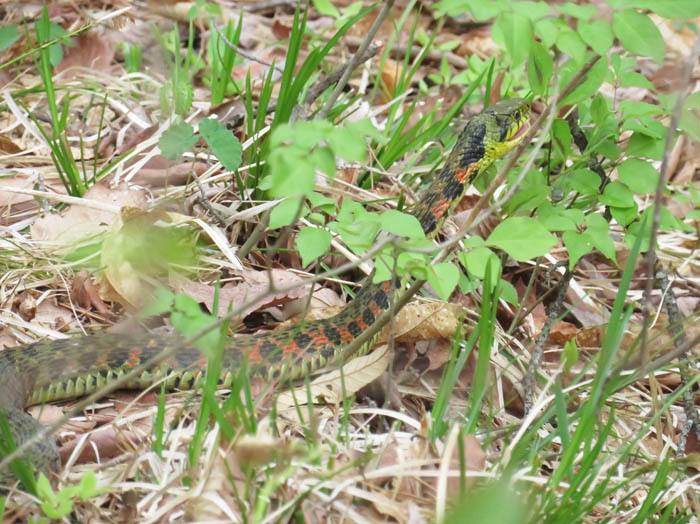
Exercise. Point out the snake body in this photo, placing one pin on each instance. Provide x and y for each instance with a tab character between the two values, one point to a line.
66	369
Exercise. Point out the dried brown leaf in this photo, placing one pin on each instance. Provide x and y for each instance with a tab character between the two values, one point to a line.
422	322
90	52
330	387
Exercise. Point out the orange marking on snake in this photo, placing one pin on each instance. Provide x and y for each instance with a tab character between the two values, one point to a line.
345	334
442	207
374	308
254	356
460	174
319	341
291	347
134	358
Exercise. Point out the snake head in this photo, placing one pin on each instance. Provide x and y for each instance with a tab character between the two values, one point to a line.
511	117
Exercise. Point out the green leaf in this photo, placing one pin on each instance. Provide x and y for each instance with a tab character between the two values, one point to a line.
640	176
56	50
312	243
54	505
582	12
508	292
598	234
561	139
413	263
324	159
177	139
476	260
577	245
348	141
222	142
358	236
477	241
305	134
514	33
690	124
479	9
189	319
641	144
634	79
527	198
624	215
326	8
597	34
183	95
9	34
609	149
531	9
443	278
401	224
162	303
522	238
638	34
88	486
570	42
634	231
317	200
600	112
292	174
673	9
693	101
383	266
569	356
584	181
594	79
630	108
548	30
556	218
284	213
618	195
539	68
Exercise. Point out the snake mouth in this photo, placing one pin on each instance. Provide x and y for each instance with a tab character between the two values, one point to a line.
520	132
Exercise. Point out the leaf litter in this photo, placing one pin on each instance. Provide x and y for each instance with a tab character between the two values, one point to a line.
384	468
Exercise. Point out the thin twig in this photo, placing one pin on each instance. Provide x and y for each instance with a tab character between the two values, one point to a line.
659	199
675	326
315	91
555	312
323	113
453	59
255	235
247	55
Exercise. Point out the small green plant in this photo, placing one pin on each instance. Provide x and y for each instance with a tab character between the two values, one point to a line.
9	34
132	56
221	59
49	56
20	468
59	504
180	137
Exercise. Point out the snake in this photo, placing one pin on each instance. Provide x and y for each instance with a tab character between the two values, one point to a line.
48	371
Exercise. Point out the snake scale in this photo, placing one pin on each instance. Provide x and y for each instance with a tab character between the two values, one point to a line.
66	369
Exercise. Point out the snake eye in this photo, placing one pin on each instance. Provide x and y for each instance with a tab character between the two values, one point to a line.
517	116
